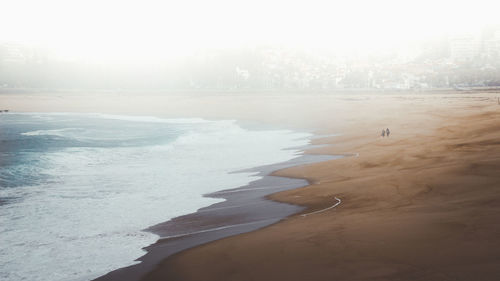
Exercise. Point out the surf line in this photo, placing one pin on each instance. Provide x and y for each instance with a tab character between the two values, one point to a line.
325	209
216	228
245	189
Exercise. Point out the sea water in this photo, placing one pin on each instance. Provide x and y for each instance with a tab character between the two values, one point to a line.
76	190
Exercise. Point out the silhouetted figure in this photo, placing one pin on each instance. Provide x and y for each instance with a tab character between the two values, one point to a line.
387	132
383	133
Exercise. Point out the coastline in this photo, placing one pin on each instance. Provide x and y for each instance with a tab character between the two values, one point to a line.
245	209
420	205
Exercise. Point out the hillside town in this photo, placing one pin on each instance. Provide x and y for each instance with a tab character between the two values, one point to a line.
467	60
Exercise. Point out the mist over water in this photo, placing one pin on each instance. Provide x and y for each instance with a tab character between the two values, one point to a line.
241	45
77	189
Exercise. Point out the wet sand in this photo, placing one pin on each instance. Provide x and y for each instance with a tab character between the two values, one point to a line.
422	204
245	209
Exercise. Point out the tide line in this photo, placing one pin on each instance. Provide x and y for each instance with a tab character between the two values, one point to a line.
326	209
216	228
245	189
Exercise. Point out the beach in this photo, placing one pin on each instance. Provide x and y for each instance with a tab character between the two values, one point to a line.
421	204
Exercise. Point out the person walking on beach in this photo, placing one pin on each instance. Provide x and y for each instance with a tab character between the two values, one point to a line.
383	133
387	132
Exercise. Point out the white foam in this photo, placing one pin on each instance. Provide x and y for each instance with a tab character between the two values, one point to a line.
131	118
150	119
56	132
88	220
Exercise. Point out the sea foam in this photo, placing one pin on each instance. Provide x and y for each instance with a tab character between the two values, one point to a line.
99	180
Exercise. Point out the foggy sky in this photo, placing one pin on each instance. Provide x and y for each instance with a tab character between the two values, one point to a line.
113	30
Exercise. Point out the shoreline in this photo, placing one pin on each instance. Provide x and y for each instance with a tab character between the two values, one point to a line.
196	92
420	205
245	209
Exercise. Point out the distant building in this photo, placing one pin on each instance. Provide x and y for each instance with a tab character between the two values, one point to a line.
12	53
491	44
464	48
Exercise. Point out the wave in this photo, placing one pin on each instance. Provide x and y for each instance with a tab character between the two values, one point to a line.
55	132
151	119
132	118
93	200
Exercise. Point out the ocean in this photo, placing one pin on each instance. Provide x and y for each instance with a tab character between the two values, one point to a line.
76	190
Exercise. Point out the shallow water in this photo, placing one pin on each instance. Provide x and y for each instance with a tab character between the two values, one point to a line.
77	189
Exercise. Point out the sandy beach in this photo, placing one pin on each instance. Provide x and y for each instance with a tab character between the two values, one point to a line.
422	204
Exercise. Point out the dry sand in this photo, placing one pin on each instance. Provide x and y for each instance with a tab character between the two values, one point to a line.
423	204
